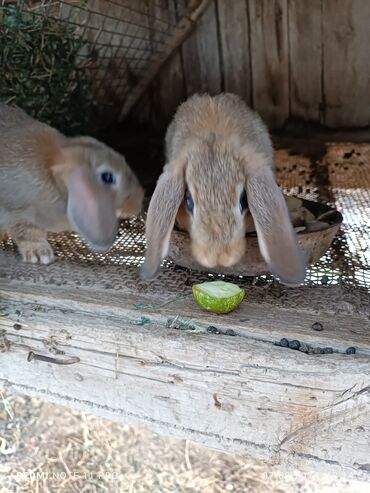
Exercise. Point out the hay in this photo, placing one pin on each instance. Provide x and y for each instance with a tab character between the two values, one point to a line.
39	72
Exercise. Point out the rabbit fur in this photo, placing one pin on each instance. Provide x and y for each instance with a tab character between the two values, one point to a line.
219	153
49	182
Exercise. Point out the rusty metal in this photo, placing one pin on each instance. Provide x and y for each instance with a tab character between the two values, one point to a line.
48	359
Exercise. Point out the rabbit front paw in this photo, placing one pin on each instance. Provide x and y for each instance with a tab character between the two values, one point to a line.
36	251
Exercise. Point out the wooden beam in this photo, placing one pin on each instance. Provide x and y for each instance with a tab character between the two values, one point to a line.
234	390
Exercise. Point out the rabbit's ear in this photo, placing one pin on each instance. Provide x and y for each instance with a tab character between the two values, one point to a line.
91	207
276	237
161	216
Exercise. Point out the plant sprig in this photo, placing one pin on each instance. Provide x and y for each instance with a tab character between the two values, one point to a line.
38	69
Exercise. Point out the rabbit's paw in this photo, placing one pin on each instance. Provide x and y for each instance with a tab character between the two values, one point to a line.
34	252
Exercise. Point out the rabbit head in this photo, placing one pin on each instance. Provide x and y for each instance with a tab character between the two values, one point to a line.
100	188
215	210
49	182
219	177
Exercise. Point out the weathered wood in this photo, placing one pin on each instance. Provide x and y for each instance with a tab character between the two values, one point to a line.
235	49
250	320
346	62
178	35
305	55
287	58
217	389
180	383
168	88
201	57
270	59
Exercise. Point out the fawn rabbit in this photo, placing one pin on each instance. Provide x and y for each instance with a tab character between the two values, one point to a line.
219	177
49	182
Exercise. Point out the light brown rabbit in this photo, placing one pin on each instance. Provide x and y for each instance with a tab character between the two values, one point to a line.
219	171
49	182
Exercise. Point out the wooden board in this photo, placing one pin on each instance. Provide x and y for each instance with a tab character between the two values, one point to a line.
346	62
288	59
201	57
235	48
168	88
172	39
221	389
305	59
270	59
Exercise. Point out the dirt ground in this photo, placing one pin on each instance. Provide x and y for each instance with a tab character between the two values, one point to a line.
48	448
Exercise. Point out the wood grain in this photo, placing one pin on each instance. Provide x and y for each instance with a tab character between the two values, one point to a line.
235	48
168	88
266	323
173	39
270	59
201	56
217	389
287	58
346	63
305	57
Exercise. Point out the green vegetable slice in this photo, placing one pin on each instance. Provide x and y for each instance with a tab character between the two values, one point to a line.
218	296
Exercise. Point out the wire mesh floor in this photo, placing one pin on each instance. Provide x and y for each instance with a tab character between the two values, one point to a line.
339	176
348	187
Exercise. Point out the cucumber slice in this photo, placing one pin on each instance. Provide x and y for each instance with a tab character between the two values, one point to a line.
218	296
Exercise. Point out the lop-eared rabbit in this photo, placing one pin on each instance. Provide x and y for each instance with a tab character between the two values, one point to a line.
49	182
219	171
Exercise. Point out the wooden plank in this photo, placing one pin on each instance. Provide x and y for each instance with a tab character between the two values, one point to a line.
153	65
270	59
201	56
167	92
346	63
305	58
235	49
168	89
265	323
216	389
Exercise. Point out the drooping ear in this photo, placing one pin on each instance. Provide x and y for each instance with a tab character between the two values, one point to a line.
90	207
276	237
161	216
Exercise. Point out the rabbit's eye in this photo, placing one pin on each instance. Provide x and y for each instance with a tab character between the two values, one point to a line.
243	202
189	202
108	178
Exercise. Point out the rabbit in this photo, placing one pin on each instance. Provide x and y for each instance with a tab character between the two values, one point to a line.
49	182
219	176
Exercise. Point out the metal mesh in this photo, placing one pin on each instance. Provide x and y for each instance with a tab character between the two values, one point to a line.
124	41
340	177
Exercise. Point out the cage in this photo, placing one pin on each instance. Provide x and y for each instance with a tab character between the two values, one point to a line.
132	63
101	53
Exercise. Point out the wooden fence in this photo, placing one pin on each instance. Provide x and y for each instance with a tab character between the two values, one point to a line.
289	59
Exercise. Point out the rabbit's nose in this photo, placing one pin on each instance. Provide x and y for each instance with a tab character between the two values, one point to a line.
225	259
204	255
231	256
230	252
219	256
